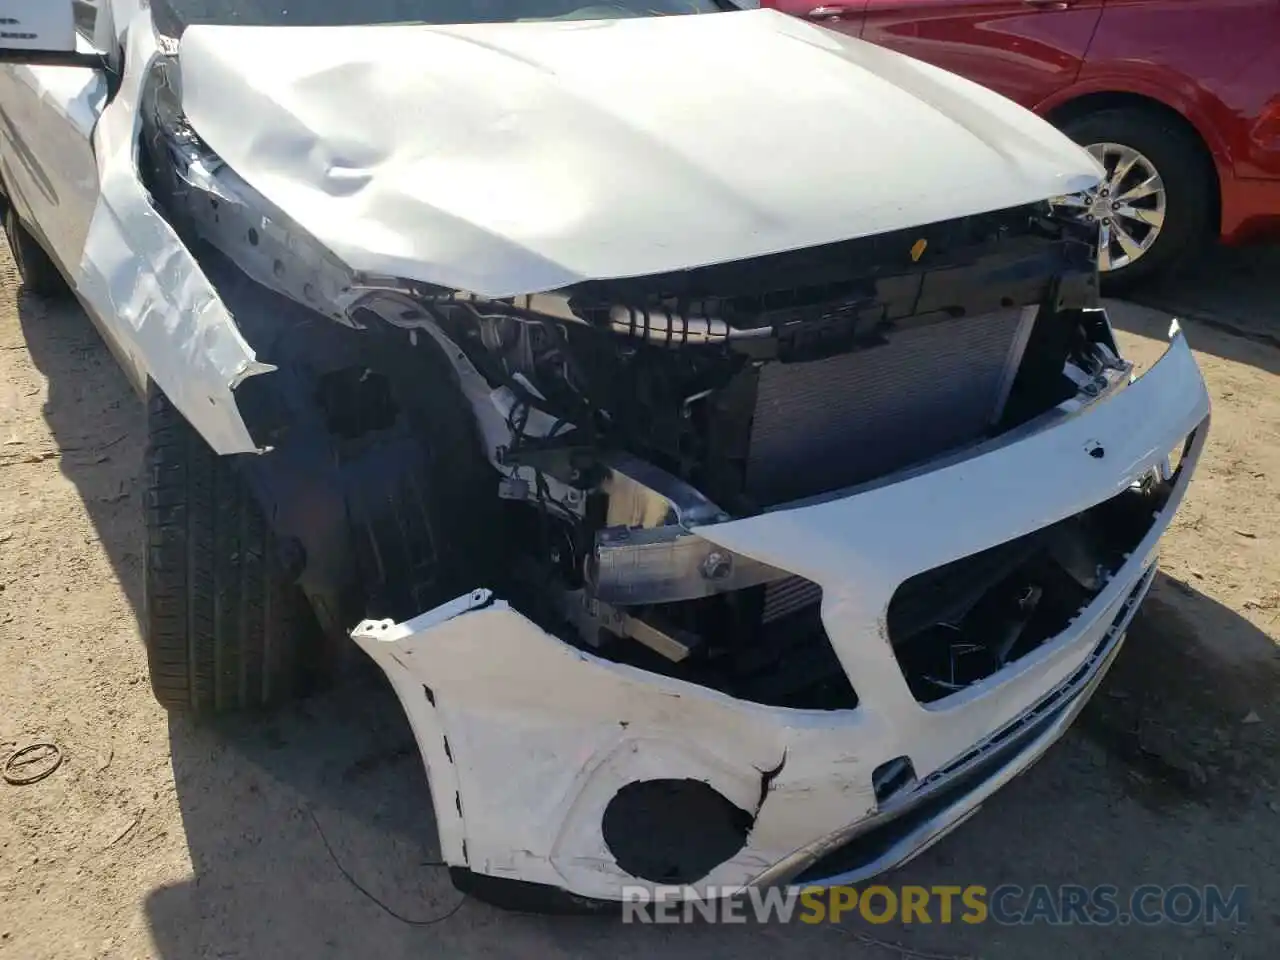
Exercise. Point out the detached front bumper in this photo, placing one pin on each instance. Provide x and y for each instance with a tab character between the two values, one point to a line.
528	740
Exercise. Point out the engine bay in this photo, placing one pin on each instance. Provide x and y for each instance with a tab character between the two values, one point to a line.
600	426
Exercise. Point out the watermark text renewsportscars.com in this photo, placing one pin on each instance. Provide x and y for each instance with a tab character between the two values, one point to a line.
1007	904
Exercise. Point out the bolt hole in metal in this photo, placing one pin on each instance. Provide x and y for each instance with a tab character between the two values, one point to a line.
1128	205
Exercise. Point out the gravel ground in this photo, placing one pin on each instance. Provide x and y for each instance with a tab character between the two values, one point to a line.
157	839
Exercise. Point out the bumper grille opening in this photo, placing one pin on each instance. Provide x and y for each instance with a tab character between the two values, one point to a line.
765	644
959	623
885	845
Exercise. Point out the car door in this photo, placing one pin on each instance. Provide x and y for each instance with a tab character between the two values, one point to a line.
1024	49
843	16
47	116
1216	62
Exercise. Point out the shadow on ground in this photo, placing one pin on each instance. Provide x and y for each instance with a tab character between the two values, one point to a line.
1231	290
1176	714
98	425
1163	751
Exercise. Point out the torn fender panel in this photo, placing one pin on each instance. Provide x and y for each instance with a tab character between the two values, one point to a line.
541	737
146	288
509	158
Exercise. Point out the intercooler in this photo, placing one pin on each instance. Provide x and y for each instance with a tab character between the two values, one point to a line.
832	423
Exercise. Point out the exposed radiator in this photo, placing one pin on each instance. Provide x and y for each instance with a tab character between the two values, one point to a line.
827	424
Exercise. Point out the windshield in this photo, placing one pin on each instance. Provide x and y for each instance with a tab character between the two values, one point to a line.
172	15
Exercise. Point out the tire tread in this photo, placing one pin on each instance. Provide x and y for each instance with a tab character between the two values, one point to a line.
39	274
222	626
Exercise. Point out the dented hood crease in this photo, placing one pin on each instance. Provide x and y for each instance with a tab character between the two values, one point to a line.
515	158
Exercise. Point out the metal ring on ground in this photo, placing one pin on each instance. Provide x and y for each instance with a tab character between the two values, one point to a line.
53	754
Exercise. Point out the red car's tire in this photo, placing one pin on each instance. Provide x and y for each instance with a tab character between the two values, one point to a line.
1179	159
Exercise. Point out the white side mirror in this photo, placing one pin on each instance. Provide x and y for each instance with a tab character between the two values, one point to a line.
42	32
37	25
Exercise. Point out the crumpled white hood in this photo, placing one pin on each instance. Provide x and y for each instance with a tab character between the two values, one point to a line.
516	158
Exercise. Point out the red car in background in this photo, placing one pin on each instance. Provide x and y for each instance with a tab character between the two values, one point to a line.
1179	99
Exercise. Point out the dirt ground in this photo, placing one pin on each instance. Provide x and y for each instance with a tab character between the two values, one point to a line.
157	839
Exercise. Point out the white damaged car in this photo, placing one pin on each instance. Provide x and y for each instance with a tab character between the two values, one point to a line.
704	420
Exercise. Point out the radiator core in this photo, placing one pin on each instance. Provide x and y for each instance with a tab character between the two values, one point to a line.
827	424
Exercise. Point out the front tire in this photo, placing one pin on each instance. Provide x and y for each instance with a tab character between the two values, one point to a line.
35	268
1159	199
224	629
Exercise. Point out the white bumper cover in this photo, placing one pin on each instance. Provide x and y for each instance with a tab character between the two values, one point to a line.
526	738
